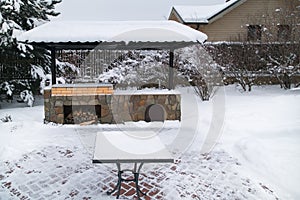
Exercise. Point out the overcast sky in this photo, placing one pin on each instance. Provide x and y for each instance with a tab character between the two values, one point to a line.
122	9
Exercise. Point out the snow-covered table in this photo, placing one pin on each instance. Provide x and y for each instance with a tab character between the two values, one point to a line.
130	147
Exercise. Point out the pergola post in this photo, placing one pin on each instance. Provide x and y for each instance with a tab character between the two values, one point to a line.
53	66
171	70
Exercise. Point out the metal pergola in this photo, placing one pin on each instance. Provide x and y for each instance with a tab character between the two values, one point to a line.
166	35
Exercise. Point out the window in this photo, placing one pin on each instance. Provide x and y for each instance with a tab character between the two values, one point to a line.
254	33
284	32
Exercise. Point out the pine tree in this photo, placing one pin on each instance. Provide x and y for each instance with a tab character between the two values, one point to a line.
18	60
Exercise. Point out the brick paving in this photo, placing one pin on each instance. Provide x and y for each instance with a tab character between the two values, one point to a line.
56	172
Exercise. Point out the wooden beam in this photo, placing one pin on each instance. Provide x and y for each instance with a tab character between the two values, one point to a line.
111	45
53	66
171	70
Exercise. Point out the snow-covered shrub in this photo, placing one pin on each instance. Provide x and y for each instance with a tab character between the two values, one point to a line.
65	73
27	97
8	89
137	68
7	118
199	68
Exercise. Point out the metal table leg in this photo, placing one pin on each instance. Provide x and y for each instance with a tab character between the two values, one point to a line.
136	172
136	179
118	186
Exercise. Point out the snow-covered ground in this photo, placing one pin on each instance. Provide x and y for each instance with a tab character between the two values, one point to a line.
262	130
256	155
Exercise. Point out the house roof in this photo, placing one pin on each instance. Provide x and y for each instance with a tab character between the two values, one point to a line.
113	34
206	13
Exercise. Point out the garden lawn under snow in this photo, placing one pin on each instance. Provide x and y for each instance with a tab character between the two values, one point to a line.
256	156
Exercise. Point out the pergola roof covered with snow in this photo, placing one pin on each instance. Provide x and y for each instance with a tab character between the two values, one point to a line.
113	34
205	13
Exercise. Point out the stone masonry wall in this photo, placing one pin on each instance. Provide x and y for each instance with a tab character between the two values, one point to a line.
115	108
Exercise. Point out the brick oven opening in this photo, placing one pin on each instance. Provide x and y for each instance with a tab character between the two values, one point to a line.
82	114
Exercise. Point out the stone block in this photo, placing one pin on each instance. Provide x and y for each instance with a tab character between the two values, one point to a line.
135	106
142	102
47	94
83	102
59	110
69	98
108	99
75	98
178	107
59	103
59	98
172	99
107	120
173	107
141	109
47	104
126	106
60	118
47	116
134	98
178	115
92	102
134	117
105	111
67	103
161	100
53	118
141	116
150	100
46	109
143	97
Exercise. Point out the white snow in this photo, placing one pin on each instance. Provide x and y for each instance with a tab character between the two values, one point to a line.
78	85
146	91
119	31
201	13
115	145
5	27
261	131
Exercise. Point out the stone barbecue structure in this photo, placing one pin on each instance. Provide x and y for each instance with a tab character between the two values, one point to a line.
97	103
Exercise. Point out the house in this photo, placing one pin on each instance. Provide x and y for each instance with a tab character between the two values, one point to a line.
239	20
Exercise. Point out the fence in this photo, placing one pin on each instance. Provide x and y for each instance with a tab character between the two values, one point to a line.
91	63
14	67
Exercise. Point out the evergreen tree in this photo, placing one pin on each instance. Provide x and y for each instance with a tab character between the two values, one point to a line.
18	60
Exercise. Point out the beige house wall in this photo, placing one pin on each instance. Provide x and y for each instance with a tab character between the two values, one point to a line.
174	17
233	25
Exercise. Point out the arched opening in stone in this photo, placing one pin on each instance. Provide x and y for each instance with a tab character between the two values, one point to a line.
155	112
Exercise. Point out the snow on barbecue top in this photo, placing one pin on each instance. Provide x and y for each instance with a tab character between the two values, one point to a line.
112	31
146	91
201	14
81	85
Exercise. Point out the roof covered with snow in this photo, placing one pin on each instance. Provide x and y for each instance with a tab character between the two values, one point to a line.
112	31
205	13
